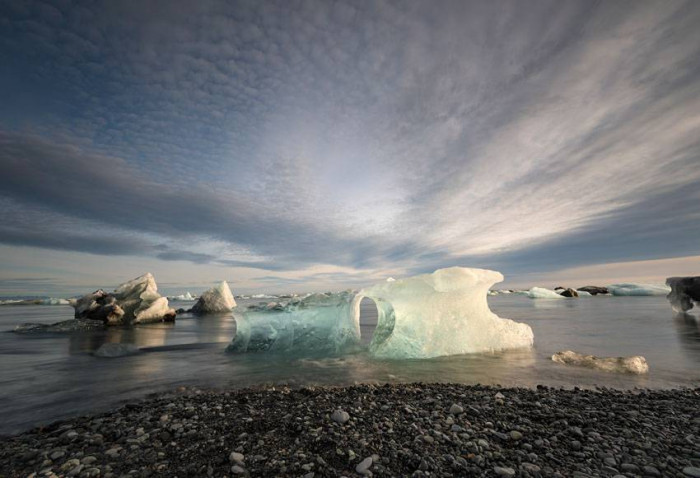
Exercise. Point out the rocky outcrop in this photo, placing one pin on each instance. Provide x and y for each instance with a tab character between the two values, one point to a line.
685	293
134	302
216	300
635	364
594	290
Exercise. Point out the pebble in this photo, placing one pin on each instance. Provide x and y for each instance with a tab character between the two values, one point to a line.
363	467
340	416
236	457
287	433
503	471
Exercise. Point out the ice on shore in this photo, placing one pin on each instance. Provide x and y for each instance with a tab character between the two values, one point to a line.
443	313
318	323
430	315
635	364
218	299
685	293
133	302
632	289
542	293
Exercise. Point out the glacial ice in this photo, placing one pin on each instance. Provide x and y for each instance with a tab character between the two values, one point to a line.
317	323
685	291
133	302
218	299
542	293
430	315
443	313
186	297
638	289
635	364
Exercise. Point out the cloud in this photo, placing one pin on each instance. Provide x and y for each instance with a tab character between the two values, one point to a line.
372	136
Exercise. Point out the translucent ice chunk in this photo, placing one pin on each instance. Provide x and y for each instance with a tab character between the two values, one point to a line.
430	315
638	289
443	313
325	323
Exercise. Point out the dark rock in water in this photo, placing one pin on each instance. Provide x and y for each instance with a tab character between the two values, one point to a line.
112	350
181	311
133	302
685	291
568	293
594	290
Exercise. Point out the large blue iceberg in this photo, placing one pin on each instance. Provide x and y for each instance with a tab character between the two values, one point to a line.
430	315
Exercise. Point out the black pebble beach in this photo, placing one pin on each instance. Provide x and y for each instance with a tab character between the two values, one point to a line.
418	430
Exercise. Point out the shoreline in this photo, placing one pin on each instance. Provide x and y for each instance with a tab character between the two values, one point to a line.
391	430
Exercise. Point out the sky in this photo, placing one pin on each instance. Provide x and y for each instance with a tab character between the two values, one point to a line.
307	145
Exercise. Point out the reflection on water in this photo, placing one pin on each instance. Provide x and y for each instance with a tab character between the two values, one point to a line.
49	376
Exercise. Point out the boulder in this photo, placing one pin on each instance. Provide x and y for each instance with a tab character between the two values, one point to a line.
569	293
133	302
685	292
216	300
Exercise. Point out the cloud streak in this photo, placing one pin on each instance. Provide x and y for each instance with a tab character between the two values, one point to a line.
378	137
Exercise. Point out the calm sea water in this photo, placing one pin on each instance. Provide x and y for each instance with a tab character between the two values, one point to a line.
45	377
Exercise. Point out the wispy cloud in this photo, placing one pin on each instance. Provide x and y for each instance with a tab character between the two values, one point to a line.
377	137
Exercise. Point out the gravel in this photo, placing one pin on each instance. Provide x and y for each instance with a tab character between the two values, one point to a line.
392	430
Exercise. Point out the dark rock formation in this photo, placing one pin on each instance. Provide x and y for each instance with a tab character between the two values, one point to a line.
594	290
569	293
685	291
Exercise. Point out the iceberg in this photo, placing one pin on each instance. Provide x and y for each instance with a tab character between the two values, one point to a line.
635	364
685	293
133	302
631	289
542	293
186	297
218	299
318	323
443	313
430	315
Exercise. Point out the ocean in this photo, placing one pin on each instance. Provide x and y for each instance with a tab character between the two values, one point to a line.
49	376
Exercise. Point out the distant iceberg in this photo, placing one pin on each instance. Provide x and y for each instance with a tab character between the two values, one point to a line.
215	300
542	293
430	315
46	301
133	302
186	297
632	289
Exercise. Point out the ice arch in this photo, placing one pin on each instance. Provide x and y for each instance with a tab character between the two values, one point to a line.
443	313
430	315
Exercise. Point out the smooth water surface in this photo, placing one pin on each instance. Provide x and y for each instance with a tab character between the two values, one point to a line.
45	377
